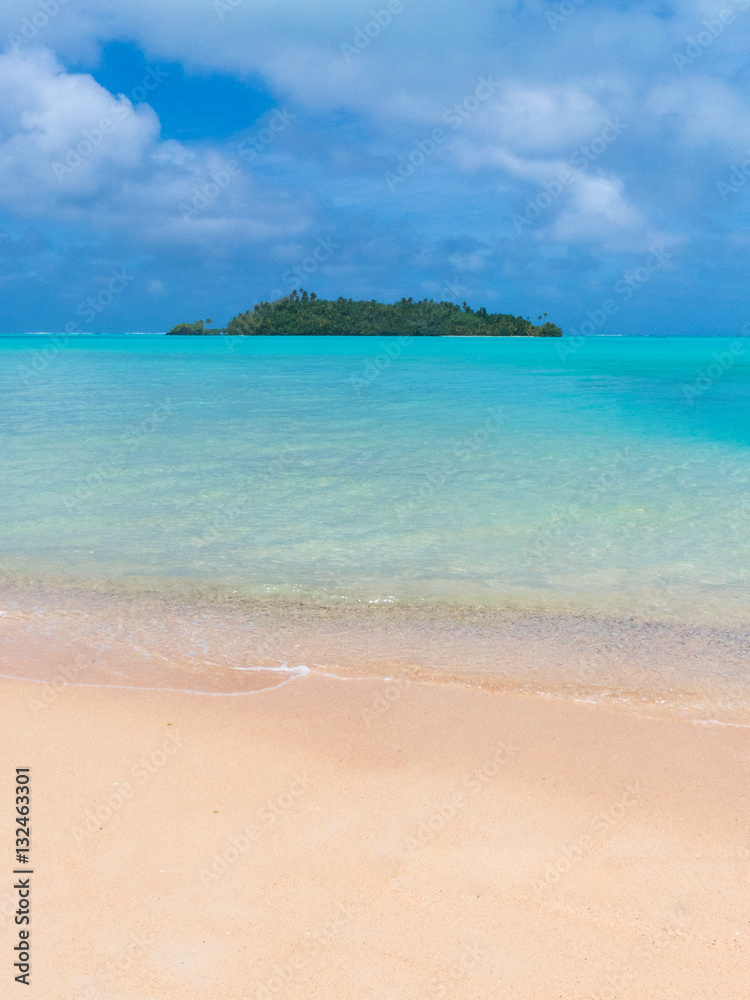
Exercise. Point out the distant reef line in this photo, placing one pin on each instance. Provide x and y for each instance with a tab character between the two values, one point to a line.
304	314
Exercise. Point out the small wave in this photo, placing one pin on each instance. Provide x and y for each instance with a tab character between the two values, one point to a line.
294	672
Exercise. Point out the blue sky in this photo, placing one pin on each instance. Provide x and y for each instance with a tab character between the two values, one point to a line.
182	160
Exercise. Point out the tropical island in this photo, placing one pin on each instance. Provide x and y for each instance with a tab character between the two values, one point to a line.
303	314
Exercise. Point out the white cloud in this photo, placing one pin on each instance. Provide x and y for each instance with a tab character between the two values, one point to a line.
475	261
598	211
62	134
540	119
554	92
295	49
708	111
71	152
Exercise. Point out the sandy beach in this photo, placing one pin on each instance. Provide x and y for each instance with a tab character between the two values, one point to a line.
365	838
386	635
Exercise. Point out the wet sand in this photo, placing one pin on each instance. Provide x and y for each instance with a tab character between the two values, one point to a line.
363	838
230	644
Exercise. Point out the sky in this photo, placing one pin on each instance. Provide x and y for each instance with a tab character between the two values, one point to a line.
181	160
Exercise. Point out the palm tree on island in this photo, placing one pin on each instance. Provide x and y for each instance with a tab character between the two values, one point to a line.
304	314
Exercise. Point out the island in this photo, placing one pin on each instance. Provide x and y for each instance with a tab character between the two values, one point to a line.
303	314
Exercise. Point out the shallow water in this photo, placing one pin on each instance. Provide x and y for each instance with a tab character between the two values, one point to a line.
213	514
607	480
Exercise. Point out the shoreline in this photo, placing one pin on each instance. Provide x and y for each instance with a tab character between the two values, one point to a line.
142	641
322	837
52	688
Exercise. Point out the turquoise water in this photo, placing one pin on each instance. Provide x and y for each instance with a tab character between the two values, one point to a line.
611	478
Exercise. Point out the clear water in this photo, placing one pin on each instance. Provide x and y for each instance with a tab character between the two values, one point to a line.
510	473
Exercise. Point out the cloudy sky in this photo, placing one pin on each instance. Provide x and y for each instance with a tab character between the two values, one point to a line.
168	161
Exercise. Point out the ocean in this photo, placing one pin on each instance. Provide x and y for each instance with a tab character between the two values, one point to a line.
602	480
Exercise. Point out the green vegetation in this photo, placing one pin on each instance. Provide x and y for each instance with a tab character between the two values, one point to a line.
192	329
303	314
